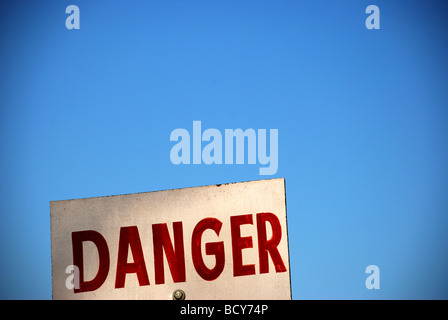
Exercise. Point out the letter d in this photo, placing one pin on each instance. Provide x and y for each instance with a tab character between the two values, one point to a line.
78	259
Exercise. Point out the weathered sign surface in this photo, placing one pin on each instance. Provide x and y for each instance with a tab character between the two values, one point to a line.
214	242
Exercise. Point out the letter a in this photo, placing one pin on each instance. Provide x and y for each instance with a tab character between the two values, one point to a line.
72	281
183	146
373	21
72	21
373	281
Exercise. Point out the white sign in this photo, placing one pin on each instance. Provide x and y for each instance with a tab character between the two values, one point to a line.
214	242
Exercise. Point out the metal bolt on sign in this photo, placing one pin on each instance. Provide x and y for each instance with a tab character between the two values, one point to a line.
178	295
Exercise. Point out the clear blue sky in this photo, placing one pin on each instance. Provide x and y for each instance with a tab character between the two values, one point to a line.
362	118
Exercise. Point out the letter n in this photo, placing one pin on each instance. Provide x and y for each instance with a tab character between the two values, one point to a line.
175	255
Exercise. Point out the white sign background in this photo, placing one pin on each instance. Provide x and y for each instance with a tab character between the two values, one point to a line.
107	215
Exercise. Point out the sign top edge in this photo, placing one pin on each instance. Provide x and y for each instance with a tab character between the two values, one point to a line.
144	192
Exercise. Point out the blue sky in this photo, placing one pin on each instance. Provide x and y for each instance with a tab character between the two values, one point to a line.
362	118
